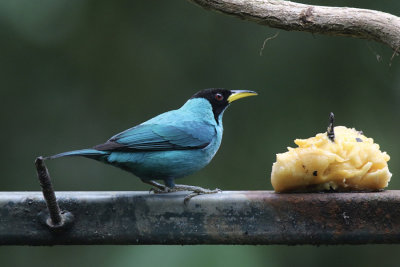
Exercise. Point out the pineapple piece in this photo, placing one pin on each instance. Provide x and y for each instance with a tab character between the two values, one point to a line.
352	162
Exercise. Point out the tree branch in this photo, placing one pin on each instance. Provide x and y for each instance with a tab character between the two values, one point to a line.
340	21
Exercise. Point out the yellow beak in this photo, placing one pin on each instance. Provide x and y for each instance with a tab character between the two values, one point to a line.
237	94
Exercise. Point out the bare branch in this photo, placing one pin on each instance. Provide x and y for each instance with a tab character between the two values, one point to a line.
340	21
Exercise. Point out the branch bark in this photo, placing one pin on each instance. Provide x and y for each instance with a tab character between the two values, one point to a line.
339	21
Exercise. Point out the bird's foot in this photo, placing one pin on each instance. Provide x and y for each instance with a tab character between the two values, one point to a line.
157	187
157	191
196	191
193	194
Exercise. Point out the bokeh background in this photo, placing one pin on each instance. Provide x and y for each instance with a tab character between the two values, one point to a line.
75	72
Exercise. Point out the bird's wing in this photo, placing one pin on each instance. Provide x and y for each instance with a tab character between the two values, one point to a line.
161	137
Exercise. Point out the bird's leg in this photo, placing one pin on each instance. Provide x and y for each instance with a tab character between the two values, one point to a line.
157	187
196	190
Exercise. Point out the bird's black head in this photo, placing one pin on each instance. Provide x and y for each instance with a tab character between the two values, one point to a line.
221	98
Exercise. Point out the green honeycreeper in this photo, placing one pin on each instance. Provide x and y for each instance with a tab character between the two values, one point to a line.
171	145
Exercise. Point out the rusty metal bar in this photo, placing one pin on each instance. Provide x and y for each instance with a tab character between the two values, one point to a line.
235	217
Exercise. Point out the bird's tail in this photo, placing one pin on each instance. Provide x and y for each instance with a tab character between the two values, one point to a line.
90	153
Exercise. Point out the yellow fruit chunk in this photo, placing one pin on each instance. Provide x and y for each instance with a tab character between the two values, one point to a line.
352	162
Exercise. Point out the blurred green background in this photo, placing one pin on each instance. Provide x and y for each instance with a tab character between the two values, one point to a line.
75	72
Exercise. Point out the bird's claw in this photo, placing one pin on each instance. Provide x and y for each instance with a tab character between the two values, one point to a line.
159	191
157	188
198	192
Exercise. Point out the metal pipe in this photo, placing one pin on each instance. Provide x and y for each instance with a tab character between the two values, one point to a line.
230	217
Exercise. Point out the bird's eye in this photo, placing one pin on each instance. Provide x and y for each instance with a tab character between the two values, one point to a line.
219	96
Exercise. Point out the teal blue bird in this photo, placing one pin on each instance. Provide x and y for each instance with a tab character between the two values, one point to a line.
171	145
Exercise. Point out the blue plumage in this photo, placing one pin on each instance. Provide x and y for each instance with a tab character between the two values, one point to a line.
82	152
171	145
